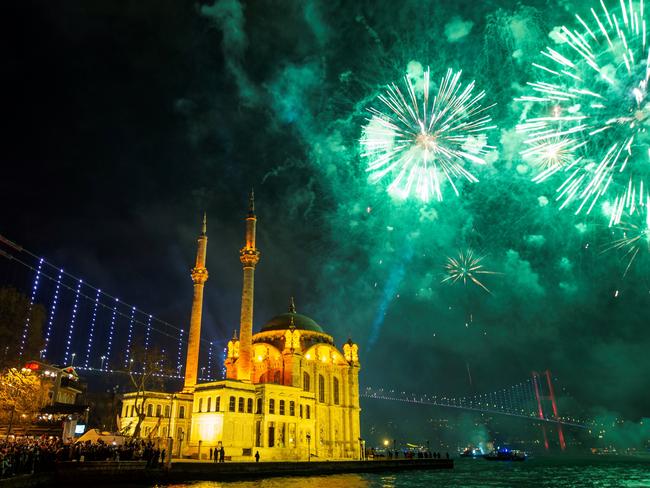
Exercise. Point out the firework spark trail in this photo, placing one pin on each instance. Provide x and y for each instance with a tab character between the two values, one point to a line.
635	234
421	140
466	267
590	121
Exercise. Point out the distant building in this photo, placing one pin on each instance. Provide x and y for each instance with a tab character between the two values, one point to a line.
289	393
61	412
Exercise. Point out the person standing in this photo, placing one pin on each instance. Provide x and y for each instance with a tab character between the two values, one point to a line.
257	456
210	454
222	455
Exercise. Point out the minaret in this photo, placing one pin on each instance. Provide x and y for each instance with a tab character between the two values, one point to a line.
199	277
249	256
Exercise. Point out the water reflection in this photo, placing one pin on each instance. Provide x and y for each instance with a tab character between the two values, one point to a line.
331	481
542	473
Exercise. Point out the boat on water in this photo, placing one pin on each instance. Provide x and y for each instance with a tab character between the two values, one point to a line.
505	454
473	453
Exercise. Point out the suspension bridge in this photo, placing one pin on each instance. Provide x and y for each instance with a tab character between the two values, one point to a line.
85	327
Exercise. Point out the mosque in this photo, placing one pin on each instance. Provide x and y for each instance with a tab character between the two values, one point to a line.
289	393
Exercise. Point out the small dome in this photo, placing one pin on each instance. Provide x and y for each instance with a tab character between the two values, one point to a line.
292	318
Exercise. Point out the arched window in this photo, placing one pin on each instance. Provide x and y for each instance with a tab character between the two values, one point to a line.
217	404
132	410
209	404
149	410
281	407
166	411
181	413
301	410
271	405
305	382
200	404
158	410
231	404
321	388
307	411
249	405
292	408
259	406
335	392
240	404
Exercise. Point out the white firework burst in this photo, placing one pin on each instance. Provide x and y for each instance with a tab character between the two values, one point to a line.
420	139
589	113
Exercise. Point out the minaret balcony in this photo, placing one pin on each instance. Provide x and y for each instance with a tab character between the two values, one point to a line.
199	275
249	257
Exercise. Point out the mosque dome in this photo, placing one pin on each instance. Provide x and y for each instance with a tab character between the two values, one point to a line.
291	319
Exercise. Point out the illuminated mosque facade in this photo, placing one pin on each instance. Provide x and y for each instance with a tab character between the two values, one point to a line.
289	393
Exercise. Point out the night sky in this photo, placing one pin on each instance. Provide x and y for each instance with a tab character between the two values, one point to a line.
124	121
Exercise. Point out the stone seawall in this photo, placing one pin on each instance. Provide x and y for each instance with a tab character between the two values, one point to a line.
97	473
182	471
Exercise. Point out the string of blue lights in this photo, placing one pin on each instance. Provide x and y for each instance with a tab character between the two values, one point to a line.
37	279
71	324
99	328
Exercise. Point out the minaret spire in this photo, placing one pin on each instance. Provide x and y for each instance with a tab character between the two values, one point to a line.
199	277
292	305
251	203
249	256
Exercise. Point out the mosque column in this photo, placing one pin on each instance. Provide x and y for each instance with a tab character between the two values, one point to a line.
345	408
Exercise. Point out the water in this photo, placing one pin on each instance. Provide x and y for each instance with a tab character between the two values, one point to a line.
472	473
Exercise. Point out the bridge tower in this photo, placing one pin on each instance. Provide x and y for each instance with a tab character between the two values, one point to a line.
540	410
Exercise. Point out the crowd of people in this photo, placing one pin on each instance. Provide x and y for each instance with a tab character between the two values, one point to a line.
27	455
132	450
373	453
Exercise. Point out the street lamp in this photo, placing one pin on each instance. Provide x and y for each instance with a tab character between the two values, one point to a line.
308	447
169	423
72	362
102	358
180	441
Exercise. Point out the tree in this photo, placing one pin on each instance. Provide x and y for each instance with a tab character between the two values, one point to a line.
15	312
21	393
146	371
